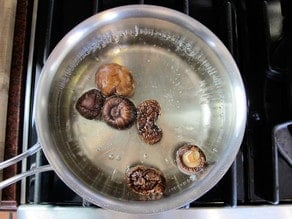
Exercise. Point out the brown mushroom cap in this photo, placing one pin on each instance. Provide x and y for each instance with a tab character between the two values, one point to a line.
119	112
90	104
116	79
147	115
190	159
146	181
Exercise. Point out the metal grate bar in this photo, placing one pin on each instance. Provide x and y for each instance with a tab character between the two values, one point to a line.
186	7
97	6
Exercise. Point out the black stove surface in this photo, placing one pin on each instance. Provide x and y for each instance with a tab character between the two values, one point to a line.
258	36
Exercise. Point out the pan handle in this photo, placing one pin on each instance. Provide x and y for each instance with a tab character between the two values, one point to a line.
20	157
20	176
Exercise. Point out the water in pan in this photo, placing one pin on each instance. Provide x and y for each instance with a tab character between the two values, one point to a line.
190	94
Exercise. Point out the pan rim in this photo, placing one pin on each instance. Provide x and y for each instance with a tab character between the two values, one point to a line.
59	54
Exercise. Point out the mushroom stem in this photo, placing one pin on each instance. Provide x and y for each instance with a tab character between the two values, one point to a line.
191	158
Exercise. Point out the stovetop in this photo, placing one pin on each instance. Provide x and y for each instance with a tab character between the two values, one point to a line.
258	35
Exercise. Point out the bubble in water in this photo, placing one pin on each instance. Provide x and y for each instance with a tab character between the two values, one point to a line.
214	150
80	153
177	83
116	51
96	58
189	128
110	156
193	177
118	157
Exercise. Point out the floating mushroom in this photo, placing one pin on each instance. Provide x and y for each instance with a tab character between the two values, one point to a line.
89	105
119	112
116	79
147	115
146	181
190	159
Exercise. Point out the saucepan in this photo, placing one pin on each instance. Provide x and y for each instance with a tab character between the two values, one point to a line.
173	62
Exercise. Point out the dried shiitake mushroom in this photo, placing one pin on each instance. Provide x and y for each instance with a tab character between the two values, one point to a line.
116	79
147	115
190	159
146	181
119	112
89	105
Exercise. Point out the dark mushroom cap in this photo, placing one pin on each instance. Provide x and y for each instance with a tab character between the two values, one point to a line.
147	115
146	181
89	105
190	159
119	112
150	134
116	79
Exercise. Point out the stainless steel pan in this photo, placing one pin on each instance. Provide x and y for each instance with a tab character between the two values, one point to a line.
175	60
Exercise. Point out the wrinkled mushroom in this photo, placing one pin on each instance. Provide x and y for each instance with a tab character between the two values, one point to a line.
116	79
190	159
90	104
146	181
147	115
119	112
